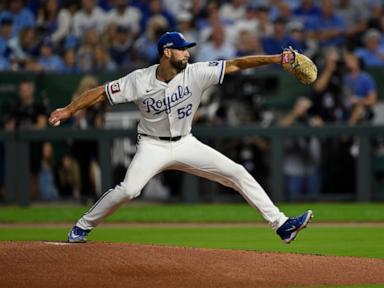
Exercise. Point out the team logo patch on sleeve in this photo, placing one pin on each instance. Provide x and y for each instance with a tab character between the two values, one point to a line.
213	63
115	87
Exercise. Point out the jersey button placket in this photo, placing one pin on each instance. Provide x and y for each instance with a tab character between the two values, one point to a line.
172	117
169	114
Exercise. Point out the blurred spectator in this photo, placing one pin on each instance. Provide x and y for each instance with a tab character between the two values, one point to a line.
284	10
125	15
355	17
110	33
329	106
90	16
186	27
4	64
301	156
265	26
306	11
46	182
176	7
299	40
272	7
203	16
26	113
107	5
85	53
252	154
232	11
154	8
68	178
48	60
121	46
248	44
22	17
196	9
5	34
213	20
86	151
372	54
279	40
146	46
32	5
64	23
90	118
360	89
373	7
48	17
70	64
328	95
248	23
328	28
23	49
377	23
102	61
217	47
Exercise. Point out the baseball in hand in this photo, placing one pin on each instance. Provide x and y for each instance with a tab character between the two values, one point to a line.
57	123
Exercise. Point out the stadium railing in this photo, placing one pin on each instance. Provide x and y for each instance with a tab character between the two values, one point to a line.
17	156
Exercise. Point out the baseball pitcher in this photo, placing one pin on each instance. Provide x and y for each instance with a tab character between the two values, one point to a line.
168	95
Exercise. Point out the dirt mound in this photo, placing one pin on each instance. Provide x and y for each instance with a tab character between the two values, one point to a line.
58	264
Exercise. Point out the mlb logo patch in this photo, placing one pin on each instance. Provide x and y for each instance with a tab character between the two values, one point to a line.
115	87
169	44
213	63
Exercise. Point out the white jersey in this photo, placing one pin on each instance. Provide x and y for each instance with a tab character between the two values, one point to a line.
167	109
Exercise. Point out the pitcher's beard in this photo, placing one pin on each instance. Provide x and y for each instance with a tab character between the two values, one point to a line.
179	65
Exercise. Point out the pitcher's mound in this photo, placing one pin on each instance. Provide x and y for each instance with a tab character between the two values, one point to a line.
59	264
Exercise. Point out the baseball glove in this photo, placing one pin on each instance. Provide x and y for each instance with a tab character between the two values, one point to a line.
299	66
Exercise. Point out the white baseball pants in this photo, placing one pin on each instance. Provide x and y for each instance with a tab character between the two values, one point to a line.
188	155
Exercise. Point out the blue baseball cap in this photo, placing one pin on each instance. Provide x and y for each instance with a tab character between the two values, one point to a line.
173	40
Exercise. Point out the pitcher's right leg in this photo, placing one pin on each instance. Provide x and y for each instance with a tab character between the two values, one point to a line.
151	157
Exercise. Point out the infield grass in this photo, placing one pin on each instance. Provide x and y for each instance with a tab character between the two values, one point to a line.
353	286
166	213
325	239
337	241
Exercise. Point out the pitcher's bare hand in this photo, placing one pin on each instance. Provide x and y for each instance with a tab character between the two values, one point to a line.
59	115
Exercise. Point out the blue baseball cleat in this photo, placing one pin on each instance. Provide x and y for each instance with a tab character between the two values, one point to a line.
289	230
77	235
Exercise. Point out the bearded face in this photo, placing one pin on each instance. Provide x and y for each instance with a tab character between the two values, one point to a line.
179	59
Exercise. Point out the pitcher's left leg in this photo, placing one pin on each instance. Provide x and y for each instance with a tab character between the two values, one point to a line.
199	159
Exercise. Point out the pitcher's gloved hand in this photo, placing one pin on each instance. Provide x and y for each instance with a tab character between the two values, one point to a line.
299	66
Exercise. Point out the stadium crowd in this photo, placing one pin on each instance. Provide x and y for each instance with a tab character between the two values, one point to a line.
91	36
70	36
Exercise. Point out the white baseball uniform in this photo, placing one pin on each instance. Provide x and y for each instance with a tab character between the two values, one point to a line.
167	111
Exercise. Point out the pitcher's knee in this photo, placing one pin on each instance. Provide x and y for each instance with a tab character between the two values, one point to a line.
129	191
239	171
234	176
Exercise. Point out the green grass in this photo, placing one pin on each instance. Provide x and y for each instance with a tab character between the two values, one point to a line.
353	286
237	213
340	241
324	240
